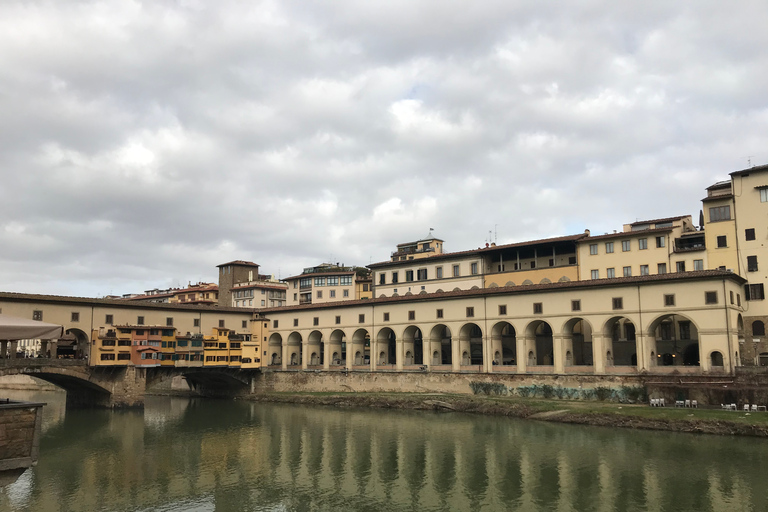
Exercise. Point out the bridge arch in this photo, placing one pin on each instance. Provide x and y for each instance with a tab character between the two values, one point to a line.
676	340
83	387
441	342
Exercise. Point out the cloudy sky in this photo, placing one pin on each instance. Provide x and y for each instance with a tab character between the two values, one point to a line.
143	143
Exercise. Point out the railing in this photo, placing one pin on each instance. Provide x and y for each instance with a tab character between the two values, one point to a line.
305	301
40	361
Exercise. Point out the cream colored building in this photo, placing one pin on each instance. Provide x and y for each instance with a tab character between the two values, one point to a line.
325	283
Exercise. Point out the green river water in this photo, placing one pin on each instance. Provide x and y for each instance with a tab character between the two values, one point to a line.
208	455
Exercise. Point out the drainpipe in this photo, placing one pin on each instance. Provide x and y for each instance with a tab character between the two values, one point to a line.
487	360
642	332
731	369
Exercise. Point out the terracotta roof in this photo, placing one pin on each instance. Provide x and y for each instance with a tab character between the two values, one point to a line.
756	168
524	289
240	262
625	234
720	184
320	274
657	221
479	250
272	286
717	198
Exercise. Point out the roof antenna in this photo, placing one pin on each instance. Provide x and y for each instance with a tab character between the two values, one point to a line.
749	160
495	233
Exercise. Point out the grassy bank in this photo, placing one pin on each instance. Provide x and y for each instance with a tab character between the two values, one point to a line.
709	421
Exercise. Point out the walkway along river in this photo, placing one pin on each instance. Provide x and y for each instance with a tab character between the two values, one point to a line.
204	455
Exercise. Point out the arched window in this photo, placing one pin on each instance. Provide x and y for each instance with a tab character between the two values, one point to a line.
758	328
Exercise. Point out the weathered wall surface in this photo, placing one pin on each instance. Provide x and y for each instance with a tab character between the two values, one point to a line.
19	435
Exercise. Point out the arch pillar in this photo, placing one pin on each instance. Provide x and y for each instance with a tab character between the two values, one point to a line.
525	344
558	352
373	352
304	351
399	352
643	347
598	353
327	354
284	348
455	352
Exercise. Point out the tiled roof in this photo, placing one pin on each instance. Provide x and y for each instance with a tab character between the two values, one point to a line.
625	234
240	262
321	274
480	250
751	169
657	221
522	289
717	198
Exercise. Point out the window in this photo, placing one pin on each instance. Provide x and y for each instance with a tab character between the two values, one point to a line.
382	278
710	297
275	324
109	320
719	213
610	273
680	266
764	195
332	294
751	264
738	299
456	272
409	275
439	272
473	268
575	305
758	328
754	292
722	241
571	260
731	294
595	274
625	246
345	293
75	316
669	299
661	268
593	249
421	274
533	264
295	322
395	277
698	264
37	315
661	241
345	280
319	294
643	243
221	323
316	321
644	270
169	321
411	315
470	312
365	288
196	322
245	324
338	319
685	330
749	233
262	302
319	281
502	309
609	247
295	297
618	303
361	318
386	317
439	313
551	262
627	271
538	308
333	281
140	320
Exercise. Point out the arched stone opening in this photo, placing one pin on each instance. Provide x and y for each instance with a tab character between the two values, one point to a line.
413	346
73	345
315	348
620	342
676	340
338	348
716	359
471	344
577	335
294	349
387	347
440	337
275	350
361	347
544	347
504	341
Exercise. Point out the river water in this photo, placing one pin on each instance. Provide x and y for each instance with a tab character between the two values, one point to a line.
206	455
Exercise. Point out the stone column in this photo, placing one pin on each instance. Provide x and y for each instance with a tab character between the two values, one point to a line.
284	349
598	353
643	351
373	350
455	353
304	355
54	348
399	354
4	349
521	347
326	355
13	348
558	353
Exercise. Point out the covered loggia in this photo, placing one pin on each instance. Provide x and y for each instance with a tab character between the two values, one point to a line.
471	345
413	346
440	338
338	348
386	346
504	344
275	350
294	349
315	348
676	341
361	347
621	342
577	335
542	353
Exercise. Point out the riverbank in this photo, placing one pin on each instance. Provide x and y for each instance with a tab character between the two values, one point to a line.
605	414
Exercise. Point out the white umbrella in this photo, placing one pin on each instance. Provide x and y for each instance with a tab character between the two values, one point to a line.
14	328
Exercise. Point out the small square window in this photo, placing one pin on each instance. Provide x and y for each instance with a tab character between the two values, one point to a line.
319	294
439	272
661	242
644	270
295	322
669	300
140	320
627	271
221	323
439	313
608	247
109	320
722	241
37	315
245	324
698	264
610	273
386	317
575	305
661	268
169	321
642	243
411	315
456	272
338	319
275	324
473	268
361	318
316	321
751	263
710	297
196	322
502	309
592	249
538	308
625	245
595	274
680	266
345	293
332	294
75	316
470	312
618	303
749	234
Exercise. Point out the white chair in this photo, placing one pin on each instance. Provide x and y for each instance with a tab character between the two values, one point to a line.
733	407
695	404
662	403
687	403
746	407
754	407
654	403
723	406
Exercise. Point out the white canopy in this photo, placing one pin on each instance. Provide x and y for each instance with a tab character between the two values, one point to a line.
14	328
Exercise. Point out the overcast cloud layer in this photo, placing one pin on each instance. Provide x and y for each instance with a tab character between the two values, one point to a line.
143	143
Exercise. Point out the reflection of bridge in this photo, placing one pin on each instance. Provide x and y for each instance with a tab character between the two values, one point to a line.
125	386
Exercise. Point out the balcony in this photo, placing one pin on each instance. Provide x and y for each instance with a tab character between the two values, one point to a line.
305	300
411	250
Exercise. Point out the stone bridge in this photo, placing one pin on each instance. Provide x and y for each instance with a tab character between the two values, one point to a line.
126	386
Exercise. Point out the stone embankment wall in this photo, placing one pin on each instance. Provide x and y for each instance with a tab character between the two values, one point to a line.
20	425
25	382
